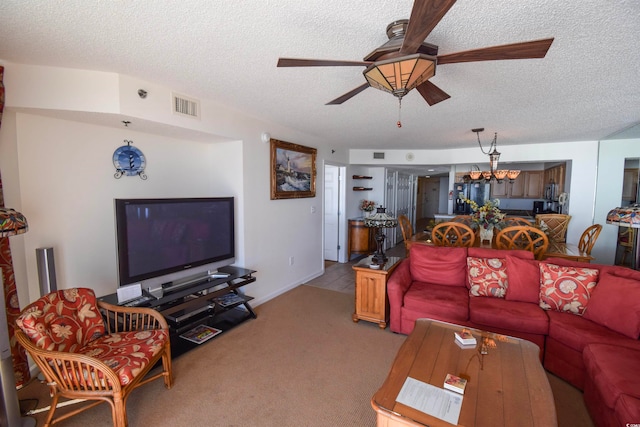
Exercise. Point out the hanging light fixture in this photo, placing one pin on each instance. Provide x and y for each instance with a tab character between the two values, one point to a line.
401	74
494	156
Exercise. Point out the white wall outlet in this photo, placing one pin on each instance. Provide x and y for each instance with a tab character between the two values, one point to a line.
290	260
313	209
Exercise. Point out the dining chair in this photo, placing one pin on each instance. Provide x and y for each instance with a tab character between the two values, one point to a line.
626	239
510	221
94	351
407	231
556	224
588	238
524	237
453	234
464	219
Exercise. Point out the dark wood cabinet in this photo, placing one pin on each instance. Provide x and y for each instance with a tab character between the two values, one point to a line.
361	238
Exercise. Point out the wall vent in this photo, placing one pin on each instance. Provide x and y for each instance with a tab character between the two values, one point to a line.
378	155
185	106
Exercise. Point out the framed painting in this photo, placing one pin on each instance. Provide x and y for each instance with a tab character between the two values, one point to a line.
293	170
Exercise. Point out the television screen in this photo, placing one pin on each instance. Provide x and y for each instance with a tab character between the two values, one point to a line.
158	237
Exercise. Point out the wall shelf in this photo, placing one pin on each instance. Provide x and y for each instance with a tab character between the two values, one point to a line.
361	177
362	189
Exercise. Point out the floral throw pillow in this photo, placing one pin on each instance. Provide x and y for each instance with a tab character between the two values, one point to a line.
566	289
487	277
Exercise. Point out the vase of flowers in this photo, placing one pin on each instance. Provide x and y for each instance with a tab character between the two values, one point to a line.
367	206
486	217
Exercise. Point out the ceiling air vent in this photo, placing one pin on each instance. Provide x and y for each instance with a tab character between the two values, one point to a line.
378	155
186	106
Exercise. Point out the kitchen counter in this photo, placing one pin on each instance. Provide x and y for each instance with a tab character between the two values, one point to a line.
441	216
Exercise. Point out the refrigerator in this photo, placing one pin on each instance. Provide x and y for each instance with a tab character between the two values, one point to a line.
478	192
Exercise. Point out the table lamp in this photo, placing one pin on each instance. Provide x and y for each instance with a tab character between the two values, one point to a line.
380	220
11	224
628	216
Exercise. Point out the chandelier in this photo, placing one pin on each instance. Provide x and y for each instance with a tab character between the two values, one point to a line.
494	156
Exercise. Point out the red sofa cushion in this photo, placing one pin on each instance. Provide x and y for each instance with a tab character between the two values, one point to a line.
524	280
613	370
513	315
627	409
449	303
566	288
498	253
445	266
615	303
576	332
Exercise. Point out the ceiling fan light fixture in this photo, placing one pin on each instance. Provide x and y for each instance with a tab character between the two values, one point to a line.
399	75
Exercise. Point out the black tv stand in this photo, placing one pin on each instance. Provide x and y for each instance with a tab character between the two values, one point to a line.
200	303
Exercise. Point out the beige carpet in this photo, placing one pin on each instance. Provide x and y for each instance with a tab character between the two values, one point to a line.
302	362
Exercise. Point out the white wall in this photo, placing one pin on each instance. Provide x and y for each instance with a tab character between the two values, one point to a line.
56	144
609	192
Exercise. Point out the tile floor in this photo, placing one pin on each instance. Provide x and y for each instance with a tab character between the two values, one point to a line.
341	276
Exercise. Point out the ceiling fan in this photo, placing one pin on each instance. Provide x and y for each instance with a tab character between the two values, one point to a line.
406	61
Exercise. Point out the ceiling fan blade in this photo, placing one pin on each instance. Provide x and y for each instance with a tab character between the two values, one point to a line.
432	93
524	50
348	95
293	62
425	15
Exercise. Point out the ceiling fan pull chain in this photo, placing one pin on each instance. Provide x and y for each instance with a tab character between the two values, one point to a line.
399	112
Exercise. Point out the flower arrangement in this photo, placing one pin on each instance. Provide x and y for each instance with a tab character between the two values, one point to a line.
367	205
487	215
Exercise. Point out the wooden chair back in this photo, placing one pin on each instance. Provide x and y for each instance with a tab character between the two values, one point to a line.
588	238
464	219
556	224
453	234
523	237
511	221
407	231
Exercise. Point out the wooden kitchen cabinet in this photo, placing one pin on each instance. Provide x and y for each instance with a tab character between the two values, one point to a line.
555	175
534	185
517	187
500	190
528	185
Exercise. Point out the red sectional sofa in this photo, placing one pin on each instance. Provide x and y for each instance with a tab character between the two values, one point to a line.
584	317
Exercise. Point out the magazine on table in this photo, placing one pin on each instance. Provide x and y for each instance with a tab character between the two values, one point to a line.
200	334
229	299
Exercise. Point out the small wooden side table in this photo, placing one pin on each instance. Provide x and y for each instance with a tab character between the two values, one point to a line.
372	303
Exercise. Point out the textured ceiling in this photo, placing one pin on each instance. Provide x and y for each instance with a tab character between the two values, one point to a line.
586	88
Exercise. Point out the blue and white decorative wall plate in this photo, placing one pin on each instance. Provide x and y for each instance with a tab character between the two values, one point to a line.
129	161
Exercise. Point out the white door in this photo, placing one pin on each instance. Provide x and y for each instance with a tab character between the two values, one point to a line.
331	212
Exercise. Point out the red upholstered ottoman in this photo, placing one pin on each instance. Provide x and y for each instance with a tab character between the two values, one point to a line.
612	384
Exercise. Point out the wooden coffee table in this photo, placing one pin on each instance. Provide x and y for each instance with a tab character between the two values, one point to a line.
510	389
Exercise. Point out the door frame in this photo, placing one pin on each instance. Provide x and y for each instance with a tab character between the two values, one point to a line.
342	218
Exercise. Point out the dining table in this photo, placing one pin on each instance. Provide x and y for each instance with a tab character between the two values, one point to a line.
554	250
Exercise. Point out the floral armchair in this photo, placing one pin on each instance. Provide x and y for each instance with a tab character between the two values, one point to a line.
88	349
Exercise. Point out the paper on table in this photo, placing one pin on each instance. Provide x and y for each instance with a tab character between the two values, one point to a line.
431	400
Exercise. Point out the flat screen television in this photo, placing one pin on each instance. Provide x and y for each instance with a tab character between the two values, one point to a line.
163	242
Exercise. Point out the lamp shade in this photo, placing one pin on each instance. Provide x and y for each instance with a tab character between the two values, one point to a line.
399	75
625	216
513	174
380	219
12	222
